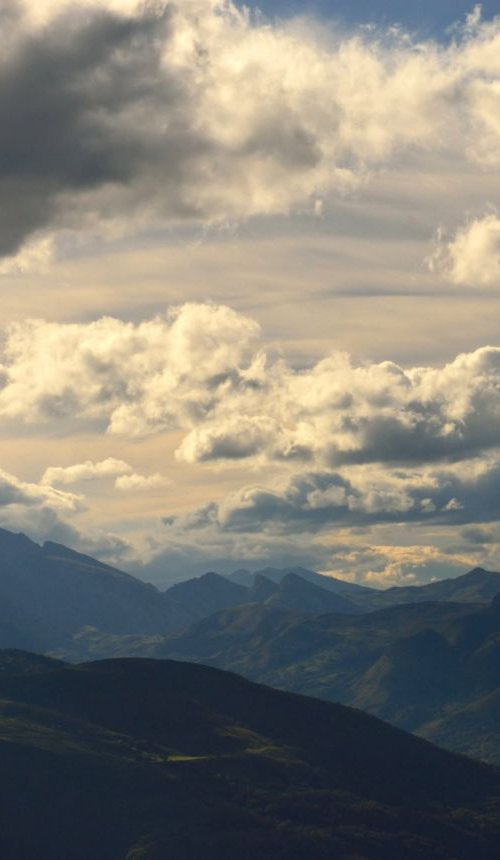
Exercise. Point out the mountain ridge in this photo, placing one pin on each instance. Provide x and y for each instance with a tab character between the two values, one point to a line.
151	758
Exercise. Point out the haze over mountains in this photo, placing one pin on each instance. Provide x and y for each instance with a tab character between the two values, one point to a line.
425	658
50	593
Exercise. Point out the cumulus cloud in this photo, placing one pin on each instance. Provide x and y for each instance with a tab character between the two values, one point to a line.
85	471
13	491
162	373
126	480
388	566
315	502
144	113
46	513
136	483
199	369
370	555
363	524
472	257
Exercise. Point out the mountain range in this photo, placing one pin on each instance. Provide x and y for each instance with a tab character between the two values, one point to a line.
427	662
430	668
147	759
49	594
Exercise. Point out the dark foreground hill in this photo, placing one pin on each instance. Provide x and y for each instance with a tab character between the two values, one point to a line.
430	668
143	759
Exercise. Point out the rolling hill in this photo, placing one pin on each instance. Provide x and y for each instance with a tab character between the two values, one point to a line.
429	668
147	759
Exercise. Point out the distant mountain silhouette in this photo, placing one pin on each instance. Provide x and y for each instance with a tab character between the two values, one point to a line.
476	586
330	583
294	592
428	667
261	589
52	592
52	597
148	759
206	594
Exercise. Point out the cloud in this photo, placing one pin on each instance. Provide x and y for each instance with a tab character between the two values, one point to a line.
138	378
35	257
137	483
46	513
14	491
371	556
126	480
368	525
389	566
339	413
316	502
472	257
85	471
199	369
154	113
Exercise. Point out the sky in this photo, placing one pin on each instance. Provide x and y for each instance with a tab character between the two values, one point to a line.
421	17
250	283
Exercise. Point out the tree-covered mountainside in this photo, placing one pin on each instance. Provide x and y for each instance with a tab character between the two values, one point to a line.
143	759
431	668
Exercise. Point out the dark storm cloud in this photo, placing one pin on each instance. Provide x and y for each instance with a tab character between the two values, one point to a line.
197	109
72	101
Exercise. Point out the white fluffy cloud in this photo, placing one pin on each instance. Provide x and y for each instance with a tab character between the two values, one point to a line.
159	374
136	483
85	471
126	480
199	110
472	257
199	369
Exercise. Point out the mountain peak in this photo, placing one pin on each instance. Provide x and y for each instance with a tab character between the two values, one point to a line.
477	573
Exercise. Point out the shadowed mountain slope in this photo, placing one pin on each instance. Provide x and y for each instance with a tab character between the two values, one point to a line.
296	593
476	586
51	595
418	666
53	591
144	760
275	574
206	594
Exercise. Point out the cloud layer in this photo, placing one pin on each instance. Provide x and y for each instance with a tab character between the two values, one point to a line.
123	118
199	369
143	113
